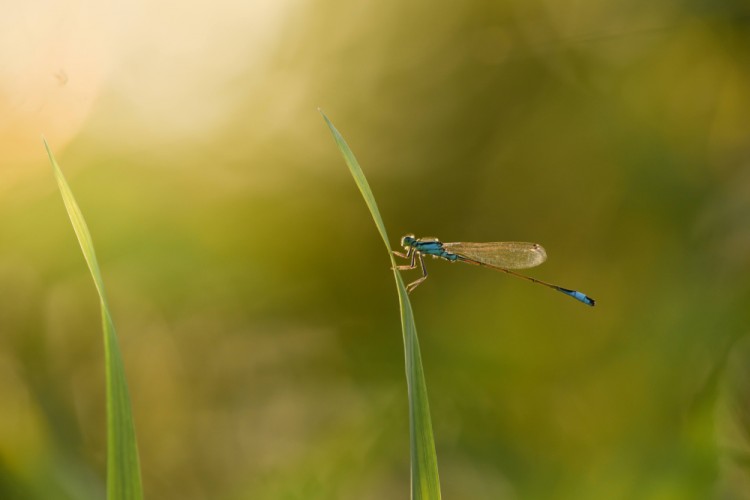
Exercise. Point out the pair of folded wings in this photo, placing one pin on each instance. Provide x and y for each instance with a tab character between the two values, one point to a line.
505	254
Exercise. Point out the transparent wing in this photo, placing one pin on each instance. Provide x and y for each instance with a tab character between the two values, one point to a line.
505	254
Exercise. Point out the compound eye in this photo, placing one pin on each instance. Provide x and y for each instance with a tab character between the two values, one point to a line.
407	240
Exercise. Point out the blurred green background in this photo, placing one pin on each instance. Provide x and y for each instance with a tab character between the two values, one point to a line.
256	312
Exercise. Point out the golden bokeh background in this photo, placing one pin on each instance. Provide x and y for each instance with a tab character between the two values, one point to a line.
256	312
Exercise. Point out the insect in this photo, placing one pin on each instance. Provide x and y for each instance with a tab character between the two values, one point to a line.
500	256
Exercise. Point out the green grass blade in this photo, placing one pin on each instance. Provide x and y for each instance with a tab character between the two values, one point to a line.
123	468
425	483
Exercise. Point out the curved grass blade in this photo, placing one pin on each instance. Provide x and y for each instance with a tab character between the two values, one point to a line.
123	467
425	483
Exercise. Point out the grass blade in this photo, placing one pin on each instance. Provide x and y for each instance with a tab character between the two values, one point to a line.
425	483
123	468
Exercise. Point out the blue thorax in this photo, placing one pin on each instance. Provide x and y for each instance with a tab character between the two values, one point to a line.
428	247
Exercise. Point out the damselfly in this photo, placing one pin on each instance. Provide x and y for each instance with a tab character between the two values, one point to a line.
500	256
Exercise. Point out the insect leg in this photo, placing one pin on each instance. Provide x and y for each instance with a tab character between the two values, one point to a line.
410	254
415	284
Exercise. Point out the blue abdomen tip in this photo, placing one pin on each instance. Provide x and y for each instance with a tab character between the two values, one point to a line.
582	297
585	299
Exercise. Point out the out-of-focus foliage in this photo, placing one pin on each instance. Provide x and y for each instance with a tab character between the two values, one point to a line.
254	303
